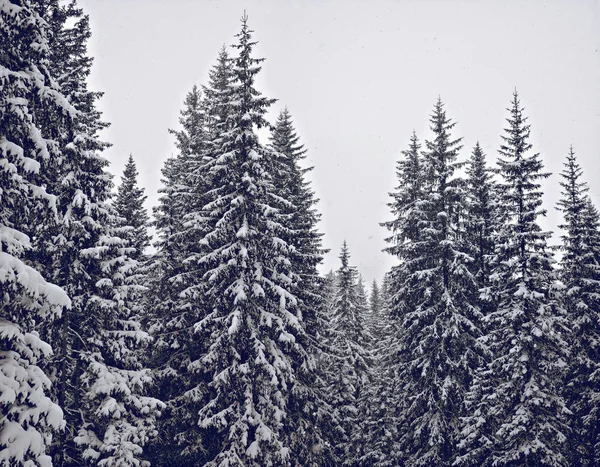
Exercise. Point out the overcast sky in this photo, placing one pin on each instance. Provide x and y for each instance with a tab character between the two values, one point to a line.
358	77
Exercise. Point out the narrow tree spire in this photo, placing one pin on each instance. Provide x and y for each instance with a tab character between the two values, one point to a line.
129	205
481	215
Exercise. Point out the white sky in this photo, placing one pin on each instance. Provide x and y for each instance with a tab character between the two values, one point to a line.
358	77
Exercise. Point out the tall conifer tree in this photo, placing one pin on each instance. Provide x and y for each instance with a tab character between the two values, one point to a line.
481	217
348	372
253	329
434	291
175	295
178	288
580	272
311	408
28	416
98	379
516	412
375	299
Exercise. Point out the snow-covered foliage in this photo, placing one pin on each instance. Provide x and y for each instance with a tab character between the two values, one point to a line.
580	274
350	360
226	347
309	407
516	414
176	295
482	217
129	206
74	245
434	298
251	331
28	416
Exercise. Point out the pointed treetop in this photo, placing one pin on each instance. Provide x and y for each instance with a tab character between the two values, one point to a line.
344	255
440	123
518	132
249	102
284	138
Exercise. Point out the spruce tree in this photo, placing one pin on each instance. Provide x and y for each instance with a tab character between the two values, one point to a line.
129	204
290	182
253	330
311	409
375	299
580	273
178	287
481	217
97	377
28	415
175	298
349	364
217	98
405	205
118	419
383	443
434	299
516	412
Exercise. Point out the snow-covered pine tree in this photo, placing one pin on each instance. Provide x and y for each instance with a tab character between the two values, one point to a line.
28	415
129	205
94	339
349	365
405	205
375	299
516	413
329	288
580	273
435	300
377	318
377	438
253	331
132	227
361	295
304	236
217	98
118	419
311	408
481	216
382	440
385	293
176	296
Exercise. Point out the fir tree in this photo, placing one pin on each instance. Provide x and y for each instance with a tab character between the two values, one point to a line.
405	205
217	98
312	411
375	299
481	217
129	204
349	364
28	415
580	273
516	412
434	299
97	379
253	330
176	295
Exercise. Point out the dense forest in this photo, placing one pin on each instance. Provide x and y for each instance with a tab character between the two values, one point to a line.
223	345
